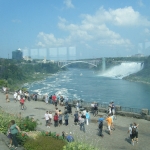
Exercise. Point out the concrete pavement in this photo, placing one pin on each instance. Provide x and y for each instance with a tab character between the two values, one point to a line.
117	141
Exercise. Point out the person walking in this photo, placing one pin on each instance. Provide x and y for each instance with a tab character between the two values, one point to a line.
82	127
109	123
76	117
14	129
60	118
50	115
134	133
130	132
46	116
87	117
100	126
7	97
66	117
56	120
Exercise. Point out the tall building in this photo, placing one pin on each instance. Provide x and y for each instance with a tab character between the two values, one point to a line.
17	54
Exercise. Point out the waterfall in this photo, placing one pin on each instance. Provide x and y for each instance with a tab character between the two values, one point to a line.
103	64
122	70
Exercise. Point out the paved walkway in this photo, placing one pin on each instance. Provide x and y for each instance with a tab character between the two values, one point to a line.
117	141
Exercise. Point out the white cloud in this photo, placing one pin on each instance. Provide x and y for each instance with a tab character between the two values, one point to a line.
94	31
68	3
120	17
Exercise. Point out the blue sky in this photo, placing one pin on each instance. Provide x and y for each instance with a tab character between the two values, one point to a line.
94	28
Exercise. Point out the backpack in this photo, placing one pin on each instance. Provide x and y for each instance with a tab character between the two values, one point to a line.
100	124
133	130
55	118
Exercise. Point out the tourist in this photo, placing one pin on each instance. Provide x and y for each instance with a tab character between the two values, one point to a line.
35	97
109	108
50	115
113	108
112	124
82	120
50	99
15	96
109	123
135	126
7	97
46	99
14	129
66	117
18	97
87	117
92	107
69	109
63	135
100	125
22	102
47	119
60	118
57	111
61	101
58	99
66	101
76	117
77	106
56	120
69	137
130	132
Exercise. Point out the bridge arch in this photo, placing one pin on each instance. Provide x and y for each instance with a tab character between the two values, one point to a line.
79	62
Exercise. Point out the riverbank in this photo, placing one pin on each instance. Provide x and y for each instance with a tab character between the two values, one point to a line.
117	141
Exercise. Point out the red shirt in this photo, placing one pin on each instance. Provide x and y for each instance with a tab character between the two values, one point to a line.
22	101
54	98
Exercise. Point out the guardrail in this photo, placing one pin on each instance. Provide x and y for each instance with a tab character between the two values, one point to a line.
105	106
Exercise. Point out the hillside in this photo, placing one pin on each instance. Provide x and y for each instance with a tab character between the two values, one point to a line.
143	75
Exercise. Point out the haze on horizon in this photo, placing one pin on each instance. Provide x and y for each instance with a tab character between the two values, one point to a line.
92	29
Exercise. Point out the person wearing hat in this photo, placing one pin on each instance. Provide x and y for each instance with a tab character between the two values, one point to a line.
100	125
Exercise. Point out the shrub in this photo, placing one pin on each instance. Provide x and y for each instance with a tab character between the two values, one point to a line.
46	142
22	138
78	146
25	124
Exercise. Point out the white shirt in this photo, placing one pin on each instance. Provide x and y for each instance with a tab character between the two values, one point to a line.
15	95
130	130
18	97
92	105
50	116
46	116
84	112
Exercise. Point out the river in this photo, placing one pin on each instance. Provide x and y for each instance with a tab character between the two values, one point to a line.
102	87
90	86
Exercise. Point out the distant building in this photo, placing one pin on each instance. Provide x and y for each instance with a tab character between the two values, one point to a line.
17	54
27	58
138	55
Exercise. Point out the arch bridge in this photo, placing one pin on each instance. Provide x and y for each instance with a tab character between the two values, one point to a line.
92	63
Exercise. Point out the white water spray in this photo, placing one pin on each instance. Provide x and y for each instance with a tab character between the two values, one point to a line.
122	70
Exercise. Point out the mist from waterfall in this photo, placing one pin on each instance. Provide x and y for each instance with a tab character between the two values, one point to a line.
122	70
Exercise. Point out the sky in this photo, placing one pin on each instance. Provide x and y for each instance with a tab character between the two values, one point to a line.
88	28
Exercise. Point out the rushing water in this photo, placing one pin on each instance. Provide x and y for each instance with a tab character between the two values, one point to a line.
89	86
